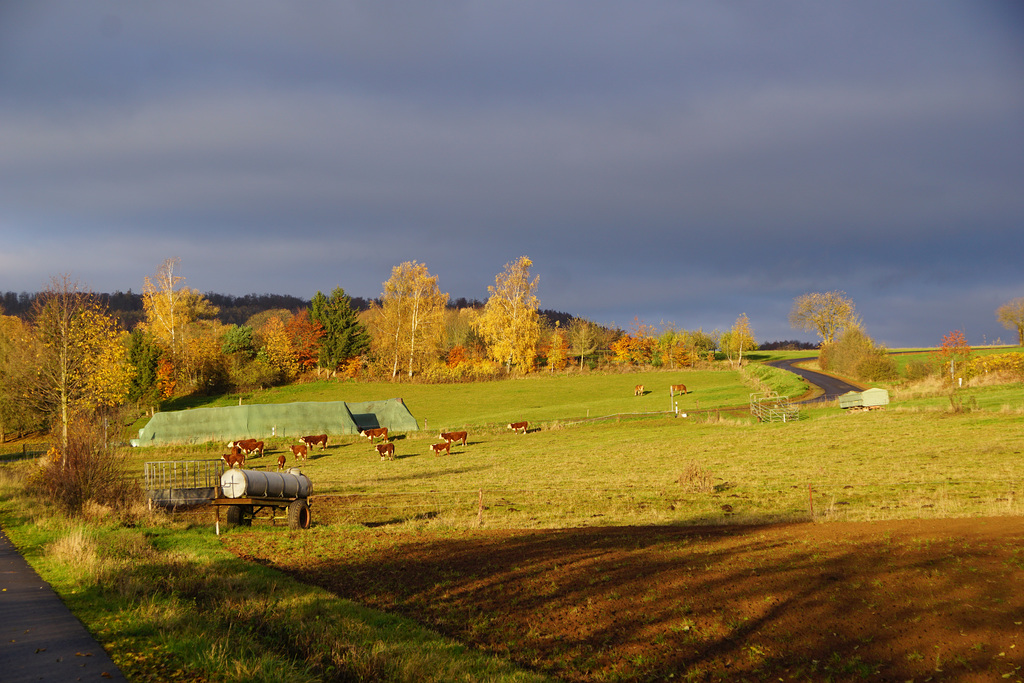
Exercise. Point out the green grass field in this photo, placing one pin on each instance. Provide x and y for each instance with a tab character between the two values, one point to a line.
598	455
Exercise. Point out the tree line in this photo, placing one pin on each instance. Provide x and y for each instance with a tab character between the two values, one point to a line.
67	352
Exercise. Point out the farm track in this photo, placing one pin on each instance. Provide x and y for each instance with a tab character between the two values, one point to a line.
831	387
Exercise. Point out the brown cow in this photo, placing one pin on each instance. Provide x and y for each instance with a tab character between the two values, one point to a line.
438	447
248	445
454	436
517	426
280	462
299	450
235	457
386	450
677	389
639	390
319	440
372	434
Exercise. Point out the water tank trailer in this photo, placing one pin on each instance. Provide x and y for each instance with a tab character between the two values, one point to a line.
246	493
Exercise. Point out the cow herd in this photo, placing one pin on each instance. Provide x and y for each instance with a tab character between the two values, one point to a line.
385	449
241	448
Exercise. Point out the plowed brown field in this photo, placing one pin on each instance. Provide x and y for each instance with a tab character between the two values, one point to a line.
928	600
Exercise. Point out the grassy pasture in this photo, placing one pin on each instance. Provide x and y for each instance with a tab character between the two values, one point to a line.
537	398
712	466
171	603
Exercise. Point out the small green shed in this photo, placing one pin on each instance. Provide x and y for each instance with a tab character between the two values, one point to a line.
869	398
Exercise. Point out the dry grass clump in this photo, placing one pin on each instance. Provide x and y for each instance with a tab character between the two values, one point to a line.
696	479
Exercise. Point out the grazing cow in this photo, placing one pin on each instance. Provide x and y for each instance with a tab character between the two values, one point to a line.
319	440
248	445
517	426
235	457
299	451
454	437
386	450
372	434
677	389
280	462
639	390
438	447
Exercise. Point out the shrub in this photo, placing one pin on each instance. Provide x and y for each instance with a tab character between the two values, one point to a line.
856	355
1001	364
918	370
877	367
257	374
87	472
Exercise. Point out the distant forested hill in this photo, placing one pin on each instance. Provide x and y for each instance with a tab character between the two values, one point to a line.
233	310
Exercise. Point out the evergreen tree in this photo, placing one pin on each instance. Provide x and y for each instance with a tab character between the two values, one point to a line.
143	355
344	336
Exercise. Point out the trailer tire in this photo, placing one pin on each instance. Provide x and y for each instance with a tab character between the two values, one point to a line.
237	515
298	514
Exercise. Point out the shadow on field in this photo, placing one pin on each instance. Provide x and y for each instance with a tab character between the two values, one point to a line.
900	600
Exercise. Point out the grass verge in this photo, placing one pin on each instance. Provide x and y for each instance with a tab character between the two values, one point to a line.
170	604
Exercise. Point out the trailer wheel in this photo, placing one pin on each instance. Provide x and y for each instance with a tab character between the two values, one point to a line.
298	514
237	515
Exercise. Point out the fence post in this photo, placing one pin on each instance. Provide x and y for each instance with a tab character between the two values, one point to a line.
480	509
810	497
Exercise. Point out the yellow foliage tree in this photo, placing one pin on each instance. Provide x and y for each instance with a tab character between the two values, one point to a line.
408	327
83	360
738	339
510	323
171	308
277	346
558	350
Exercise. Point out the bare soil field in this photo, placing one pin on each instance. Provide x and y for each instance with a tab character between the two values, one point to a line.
911	600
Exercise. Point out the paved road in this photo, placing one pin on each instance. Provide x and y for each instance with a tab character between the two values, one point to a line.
40	639
833	388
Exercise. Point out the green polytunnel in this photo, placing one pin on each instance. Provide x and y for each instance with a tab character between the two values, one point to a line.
268	420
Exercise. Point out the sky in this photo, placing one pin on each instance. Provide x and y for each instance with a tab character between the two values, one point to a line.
664	162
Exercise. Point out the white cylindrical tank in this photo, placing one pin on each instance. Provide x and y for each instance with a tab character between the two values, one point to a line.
256	484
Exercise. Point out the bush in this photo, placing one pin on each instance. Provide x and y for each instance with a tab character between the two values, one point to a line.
877	368
87	472
856	355
257	374
918	370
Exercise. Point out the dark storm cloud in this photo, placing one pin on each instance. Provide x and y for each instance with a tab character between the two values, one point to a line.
677	162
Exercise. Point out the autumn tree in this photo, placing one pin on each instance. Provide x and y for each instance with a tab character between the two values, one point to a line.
953	352
277	348
510	323
17	368
558	349
83	363
582	338
171	307
637	347
824	313
1011	315
408	327
305	335
738	339
344	337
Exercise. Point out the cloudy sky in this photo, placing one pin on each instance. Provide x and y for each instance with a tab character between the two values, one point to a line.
672	162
